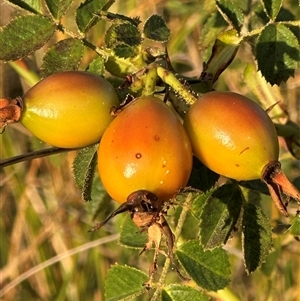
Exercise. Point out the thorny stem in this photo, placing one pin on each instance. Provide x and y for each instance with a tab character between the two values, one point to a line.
34	155
180	223
88	44
169	78
150	82
113	16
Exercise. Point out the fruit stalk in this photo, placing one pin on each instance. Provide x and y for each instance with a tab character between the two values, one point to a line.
180	223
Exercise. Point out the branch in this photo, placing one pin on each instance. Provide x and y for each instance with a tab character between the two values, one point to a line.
34	155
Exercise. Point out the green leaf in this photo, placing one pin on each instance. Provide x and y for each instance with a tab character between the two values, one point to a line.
123	39
177	292
58	8
83	170
86	14
124	51
124	33
201	177
256	237
119	66
258	16
220	216
291	133
97	66
256	185
272	8
277	53
231	13
124	282
102	204
34	6
209	269
65	55
131	236
295	226
24	35
155	29
199	200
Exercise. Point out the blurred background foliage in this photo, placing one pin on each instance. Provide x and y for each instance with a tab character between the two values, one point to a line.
46	251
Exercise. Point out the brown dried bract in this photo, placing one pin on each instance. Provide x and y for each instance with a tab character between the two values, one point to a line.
148	214
10	111
280	188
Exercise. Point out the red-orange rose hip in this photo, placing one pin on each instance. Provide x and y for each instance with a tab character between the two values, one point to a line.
69	109
144	148
233	136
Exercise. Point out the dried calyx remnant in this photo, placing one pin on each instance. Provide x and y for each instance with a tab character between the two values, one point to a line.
279	186
147	212
10	111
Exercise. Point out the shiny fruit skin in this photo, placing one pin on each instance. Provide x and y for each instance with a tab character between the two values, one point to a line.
145	148
69	109
232	135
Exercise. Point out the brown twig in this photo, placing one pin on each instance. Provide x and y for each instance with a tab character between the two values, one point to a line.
34	155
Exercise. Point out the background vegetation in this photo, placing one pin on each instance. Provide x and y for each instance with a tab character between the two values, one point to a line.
46	251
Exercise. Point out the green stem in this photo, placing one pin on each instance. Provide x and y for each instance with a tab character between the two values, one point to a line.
88	44
113	17
169	78
291	23
177	233
150	82
252	33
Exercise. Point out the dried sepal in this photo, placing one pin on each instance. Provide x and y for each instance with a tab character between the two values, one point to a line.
10	111
147	212
280	188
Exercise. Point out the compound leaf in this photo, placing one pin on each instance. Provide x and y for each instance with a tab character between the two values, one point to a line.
123	39
201	177
294	229
177	292
231	13
131	236
34	6
155	29
97	66
124	282
220	216
65	55
58	8
83	170
272	7
86	14
209	269
277	53
199	200
24	35
256	237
